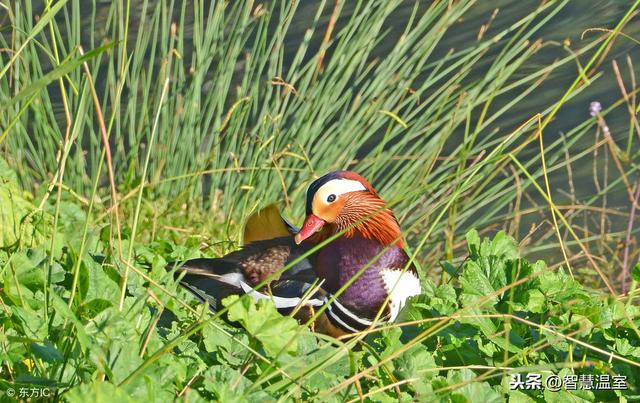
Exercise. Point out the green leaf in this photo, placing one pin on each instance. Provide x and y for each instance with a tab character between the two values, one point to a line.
501	245
475	283
46	352
31	380
515	396
95	306
563	395
98	284
6	172
20	223
228	385
473	243
62	309
30	322
416	364
450	269
536	301
98	392
117	336
635	272
471	391
441	298
624	347
264	322
28	269
224	346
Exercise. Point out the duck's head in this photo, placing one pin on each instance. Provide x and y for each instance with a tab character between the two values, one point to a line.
344	200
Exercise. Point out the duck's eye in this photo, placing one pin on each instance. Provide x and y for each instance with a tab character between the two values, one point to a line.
331	198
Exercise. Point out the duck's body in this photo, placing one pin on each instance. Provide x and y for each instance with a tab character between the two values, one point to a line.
368	255
343	258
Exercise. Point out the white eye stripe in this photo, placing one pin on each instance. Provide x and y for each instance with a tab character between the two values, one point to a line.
338	187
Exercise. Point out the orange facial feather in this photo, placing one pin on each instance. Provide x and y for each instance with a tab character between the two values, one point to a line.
366	215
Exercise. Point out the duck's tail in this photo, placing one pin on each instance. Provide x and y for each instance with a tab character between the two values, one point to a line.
212	280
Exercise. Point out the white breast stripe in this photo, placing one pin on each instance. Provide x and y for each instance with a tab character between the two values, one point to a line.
340	321
280	302
400	285
343	309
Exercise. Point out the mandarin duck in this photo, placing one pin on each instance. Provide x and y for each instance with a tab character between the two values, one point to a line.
341	205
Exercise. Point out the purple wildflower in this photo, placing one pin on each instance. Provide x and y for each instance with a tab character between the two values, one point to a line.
594	108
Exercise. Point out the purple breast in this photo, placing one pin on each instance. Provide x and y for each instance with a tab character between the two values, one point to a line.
342	259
